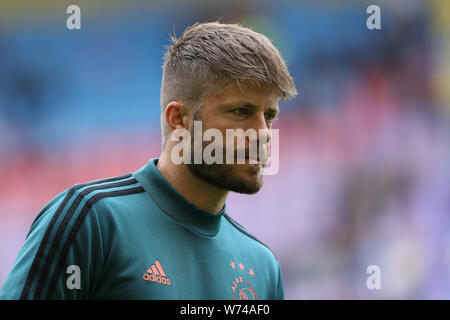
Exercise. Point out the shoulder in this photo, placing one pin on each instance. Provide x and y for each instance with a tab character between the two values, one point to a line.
97	190
89	193
66	231
73	205
251	240
243	243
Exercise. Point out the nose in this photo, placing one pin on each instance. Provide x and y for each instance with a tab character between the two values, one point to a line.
263	135
263	129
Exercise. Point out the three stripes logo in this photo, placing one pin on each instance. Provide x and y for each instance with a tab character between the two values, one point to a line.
156	274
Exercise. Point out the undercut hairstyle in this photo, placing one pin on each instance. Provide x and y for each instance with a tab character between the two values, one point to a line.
211	55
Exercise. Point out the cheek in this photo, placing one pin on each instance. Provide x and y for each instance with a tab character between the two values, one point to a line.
216	123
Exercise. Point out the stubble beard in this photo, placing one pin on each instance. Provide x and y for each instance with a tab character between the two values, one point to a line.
225	176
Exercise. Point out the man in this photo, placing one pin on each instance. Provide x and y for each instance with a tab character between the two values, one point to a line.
163	232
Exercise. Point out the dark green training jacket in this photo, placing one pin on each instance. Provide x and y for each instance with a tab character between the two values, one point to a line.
135	237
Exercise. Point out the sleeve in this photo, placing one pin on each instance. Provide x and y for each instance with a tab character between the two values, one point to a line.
61	254
280	285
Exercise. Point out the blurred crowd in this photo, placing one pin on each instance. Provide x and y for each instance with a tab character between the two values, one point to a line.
364	149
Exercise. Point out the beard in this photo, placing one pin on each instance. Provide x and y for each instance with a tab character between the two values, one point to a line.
240	178
227	176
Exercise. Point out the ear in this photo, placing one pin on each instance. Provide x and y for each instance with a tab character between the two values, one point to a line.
177	116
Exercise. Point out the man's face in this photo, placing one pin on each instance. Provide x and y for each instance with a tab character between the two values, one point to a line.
230	108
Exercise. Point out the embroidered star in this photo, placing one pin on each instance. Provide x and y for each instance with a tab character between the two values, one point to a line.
241	266
251	272
233	265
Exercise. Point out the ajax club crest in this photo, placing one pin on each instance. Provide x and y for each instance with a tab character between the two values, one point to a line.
242	289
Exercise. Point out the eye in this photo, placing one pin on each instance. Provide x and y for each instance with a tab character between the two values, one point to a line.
241	111
270	116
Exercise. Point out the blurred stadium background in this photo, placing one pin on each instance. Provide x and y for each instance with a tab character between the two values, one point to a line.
365	158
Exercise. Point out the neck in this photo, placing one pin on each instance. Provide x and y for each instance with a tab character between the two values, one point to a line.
204	195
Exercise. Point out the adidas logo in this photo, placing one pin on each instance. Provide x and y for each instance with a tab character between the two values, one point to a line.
156	274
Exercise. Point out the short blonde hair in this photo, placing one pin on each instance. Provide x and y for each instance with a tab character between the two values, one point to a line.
210	55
